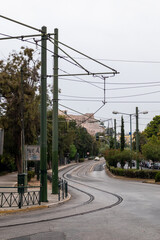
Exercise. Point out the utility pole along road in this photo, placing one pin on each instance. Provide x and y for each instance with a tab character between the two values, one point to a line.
101	208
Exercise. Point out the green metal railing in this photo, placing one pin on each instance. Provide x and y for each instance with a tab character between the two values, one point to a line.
18	197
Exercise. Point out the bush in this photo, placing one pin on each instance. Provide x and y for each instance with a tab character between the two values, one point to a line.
30	175
81	160
132	173
7	163
157	177
111	156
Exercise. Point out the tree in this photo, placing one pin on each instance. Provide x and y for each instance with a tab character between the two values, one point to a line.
122	134
142	140
151	150
19	86
153	128
72	151
84	142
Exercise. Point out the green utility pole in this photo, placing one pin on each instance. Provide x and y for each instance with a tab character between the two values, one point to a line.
43	132
23	167
122	134
115	135
130	115
55	119
137	137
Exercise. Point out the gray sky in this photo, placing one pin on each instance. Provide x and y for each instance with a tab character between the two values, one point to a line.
124	34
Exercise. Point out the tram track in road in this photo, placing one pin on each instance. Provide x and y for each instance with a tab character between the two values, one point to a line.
68	176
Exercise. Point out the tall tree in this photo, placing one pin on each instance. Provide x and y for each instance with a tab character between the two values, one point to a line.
122	134
153	128
151	150
19	88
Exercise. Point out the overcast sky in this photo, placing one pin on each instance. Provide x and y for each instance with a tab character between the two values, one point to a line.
123	34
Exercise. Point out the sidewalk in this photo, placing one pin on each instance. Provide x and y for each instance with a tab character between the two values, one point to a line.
10	180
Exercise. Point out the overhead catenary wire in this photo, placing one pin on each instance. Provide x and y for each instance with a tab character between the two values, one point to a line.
133	102
114	71
121	60
20	23
97	98
83	80
83	113
24	40
135	95
78	64
93	82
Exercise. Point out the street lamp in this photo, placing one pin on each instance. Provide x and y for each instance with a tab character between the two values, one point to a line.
137	129
130	115
137	133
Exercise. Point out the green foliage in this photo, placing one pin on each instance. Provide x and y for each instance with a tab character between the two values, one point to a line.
72	151
72	139
142	140
7	163
153	128
113	156
84	142
81	160
151	150
132	173
31	174
13	101
157	177
103	148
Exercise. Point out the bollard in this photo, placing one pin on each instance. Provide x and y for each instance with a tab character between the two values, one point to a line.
62	189
66	189
59	186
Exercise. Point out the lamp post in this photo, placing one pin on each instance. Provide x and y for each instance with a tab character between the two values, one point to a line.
137	129
115	135
130	115
137	134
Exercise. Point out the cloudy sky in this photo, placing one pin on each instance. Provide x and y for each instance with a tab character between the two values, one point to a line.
122	34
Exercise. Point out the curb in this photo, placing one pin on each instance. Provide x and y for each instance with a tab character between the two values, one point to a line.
130	179
38	207
33	208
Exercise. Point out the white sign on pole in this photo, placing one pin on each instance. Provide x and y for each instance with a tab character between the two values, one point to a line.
32	152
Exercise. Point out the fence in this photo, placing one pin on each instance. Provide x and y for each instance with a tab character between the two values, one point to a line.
18	197
22	196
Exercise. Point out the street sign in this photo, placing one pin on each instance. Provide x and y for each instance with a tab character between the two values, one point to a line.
32	152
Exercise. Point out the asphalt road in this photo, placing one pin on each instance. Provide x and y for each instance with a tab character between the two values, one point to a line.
101	208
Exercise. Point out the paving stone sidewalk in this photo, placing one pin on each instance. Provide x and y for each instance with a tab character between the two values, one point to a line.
10	180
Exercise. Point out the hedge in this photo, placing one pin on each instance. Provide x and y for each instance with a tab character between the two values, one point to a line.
132	173
157	177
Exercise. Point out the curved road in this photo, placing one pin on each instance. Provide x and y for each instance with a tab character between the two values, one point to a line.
100	208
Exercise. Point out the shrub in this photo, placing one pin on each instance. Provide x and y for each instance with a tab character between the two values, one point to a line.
7	163
133	173
81	160
157	177
111	156
30	175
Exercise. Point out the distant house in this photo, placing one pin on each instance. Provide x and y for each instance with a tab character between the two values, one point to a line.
87	121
